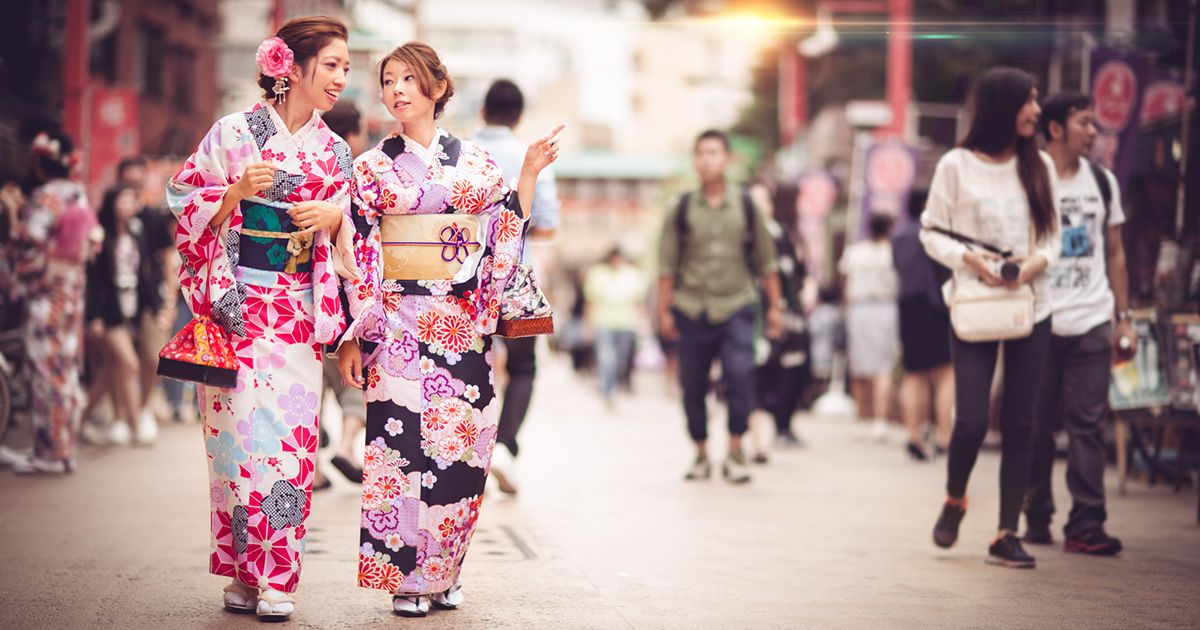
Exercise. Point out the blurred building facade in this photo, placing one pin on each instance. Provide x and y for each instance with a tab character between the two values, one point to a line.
147	83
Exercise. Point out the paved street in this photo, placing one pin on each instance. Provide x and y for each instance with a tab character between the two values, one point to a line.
606	535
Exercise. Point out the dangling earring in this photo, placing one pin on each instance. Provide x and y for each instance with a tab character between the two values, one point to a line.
280	89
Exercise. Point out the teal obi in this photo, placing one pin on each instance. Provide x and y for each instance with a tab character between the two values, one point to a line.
270	242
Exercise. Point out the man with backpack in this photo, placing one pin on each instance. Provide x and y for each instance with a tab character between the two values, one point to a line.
1089	287
715	246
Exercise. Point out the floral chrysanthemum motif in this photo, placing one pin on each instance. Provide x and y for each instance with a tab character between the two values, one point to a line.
454	333
274	58
508	226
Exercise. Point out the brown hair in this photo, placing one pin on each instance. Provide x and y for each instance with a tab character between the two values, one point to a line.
426	67
306	36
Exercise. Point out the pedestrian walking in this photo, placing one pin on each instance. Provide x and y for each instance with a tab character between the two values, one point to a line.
783	374
995	189
1089	289
872	334
615	292
115	294
503	106
924	337
260	205
438	235
715	247
55	235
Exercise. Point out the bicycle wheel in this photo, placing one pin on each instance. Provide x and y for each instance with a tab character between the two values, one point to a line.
6	407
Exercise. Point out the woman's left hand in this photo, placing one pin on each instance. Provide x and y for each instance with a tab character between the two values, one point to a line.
316	215
542	152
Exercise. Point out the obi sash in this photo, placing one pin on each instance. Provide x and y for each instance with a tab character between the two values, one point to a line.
270	242
427	246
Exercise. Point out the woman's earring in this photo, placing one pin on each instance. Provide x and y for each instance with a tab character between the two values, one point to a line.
280	89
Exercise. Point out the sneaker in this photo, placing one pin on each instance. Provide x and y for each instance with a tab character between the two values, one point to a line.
945	531
1007	551
34	465
761	458
147	429
1038	534
93	434
348	468
11	458
788	439
119	433
410	605
917	452
734	470
700	469
504	469
449	600
1093	541
879	430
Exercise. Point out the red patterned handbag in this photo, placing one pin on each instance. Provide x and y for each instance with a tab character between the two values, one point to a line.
200	352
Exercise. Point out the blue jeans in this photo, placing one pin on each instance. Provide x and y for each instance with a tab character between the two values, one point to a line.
733	342
612	354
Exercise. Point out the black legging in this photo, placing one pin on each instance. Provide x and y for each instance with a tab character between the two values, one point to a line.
974	365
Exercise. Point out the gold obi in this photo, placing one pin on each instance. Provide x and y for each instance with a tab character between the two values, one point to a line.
427	246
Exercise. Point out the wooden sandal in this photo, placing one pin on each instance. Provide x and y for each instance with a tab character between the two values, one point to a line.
275	605
240	598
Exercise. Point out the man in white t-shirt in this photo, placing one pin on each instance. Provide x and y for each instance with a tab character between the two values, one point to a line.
1089	289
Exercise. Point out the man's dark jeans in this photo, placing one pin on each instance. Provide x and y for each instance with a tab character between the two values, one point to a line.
699	343
521	365
1074	396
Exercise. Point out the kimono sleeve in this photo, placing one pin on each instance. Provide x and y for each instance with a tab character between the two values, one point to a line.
505	235
194	196
364	294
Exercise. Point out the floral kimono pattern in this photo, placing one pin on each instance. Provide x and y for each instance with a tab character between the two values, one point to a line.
53	288
431	409
261	436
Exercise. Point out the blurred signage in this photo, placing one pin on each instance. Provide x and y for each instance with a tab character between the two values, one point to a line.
114	127
1117	80
869	113
889	170
818	193
1163	99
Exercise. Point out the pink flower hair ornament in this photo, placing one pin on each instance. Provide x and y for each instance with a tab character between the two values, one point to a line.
275	60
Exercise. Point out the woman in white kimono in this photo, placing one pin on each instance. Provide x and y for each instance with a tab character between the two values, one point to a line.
260	205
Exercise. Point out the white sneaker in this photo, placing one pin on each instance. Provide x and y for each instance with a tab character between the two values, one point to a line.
119	433
879	430
33	466
449	600
11	458
147	429
93	434
504	469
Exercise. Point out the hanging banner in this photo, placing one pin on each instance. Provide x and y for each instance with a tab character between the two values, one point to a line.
114	123
889	170
1118	78
817	194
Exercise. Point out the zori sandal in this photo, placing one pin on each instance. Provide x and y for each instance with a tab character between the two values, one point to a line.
240	598
275	605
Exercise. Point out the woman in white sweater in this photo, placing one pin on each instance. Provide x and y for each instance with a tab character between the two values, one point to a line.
995	188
